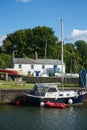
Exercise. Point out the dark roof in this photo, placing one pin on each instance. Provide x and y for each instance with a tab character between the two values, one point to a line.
37	61
41	85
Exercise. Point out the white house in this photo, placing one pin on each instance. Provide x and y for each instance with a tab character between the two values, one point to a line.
38	67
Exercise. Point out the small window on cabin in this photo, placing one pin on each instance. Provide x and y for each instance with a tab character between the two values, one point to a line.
43	66
67	94
20	66
52	90
60	94
32	66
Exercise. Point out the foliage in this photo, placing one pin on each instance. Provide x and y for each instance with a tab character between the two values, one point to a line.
75	56
81	46
5	61
27	41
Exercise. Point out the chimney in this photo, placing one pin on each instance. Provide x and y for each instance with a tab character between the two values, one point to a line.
36	56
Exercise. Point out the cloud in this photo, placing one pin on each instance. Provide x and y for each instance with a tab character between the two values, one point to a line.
78	35
23	1
1	39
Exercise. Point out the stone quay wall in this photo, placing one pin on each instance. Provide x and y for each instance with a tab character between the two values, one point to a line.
7	95
29	79
50	80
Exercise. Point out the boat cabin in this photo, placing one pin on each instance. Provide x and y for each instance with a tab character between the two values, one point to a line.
41	90
50	91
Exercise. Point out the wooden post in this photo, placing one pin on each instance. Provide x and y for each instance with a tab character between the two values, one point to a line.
6	77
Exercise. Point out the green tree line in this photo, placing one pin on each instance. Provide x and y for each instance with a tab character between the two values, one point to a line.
43	40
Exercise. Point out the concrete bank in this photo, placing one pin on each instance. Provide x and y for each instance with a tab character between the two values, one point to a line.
8	95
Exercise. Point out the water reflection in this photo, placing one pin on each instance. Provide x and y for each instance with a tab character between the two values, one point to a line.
37	118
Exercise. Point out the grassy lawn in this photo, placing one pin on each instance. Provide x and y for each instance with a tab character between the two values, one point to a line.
12	85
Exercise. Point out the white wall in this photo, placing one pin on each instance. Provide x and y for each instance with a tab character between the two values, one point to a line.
37	67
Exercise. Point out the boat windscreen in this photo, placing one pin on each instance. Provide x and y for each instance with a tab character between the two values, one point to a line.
42	91
52	90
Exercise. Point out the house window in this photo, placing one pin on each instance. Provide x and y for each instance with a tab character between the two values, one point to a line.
20	66
43	66
32	66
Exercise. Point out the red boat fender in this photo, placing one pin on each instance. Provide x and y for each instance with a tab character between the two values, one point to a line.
17	103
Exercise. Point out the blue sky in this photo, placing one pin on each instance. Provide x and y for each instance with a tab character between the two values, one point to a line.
22	14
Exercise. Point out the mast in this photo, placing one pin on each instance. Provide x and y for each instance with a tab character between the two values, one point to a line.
46	49
62	52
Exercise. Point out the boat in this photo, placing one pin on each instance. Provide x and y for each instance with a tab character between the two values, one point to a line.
9	71
13	72
55	105
43	93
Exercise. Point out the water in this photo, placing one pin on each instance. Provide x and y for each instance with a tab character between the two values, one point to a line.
37	118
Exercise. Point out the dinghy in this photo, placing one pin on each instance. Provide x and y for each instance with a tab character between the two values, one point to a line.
55	105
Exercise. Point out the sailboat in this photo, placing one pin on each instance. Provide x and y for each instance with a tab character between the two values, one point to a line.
41	93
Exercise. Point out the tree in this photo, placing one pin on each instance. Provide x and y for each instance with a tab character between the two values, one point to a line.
81	50
68	56
28	41
5	60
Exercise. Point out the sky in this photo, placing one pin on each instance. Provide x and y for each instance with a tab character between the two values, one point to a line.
24	14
